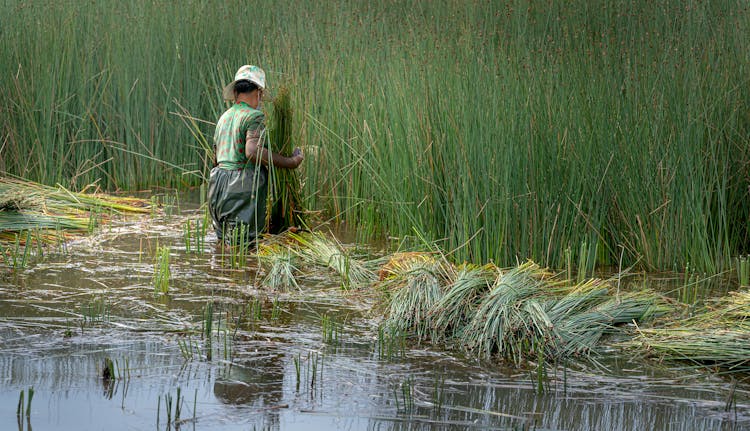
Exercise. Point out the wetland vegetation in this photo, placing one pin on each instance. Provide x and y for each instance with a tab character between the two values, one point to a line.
522	215
502	129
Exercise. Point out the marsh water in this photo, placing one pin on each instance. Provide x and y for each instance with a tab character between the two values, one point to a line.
306	359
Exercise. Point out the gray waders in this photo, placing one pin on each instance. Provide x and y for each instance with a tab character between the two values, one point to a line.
237	203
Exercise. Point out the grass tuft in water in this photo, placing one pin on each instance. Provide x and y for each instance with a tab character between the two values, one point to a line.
162	272
194	234
406	390
391	342
331	330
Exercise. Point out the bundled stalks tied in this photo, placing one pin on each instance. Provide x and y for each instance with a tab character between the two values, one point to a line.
451	313
504	320
416	288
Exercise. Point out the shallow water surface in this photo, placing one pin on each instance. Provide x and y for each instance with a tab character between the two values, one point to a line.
272	366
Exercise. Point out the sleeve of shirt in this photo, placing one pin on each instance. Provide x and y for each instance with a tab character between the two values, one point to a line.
256	123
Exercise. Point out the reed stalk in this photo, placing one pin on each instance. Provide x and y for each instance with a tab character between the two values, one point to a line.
208	324
743	271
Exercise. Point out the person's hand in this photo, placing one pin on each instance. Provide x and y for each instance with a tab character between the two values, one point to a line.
298	156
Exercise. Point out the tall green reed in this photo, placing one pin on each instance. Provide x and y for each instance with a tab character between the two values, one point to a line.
531	127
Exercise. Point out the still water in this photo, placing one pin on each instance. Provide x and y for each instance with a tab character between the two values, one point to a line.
274	367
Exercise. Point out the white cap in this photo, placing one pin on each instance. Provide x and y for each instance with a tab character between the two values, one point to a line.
247	72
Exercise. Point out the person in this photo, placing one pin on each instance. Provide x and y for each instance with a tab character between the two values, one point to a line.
238	183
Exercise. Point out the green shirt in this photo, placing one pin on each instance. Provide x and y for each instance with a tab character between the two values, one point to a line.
230	134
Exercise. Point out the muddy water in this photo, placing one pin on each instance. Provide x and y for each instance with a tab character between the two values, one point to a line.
271	366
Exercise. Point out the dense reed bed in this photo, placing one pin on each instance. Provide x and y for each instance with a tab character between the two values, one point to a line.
518	129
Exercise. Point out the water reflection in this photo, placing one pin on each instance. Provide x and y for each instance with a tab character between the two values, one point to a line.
257	383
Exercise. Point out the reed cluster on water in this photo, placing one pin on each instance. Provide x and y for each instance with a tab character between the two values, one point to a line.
716	335
525	128
33	216
519	314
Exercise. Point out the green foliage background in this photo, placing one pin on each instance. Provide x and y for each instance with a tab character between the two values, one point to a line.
501	129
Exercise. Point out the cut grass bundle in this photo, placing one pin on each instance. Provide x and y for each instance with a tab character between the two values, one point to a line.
717	336
581	333
25	206
502	322
284	196
280	268
415	292
452	312
321	250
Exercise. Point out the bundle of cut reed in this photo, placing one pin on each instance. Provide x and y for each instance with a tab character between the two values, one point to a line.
322	250
508	318
33	195
717	336
451	313
285	207
581	332
278	259
26	205
415	289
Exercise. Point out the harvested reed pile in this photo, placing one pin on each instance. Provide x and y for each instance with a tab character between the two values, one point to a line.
321	250
26	206
416	284
519	314
718	336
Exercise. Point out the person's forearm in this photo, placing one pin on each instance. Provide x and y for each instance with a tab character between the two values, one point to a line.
265	157
258	153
